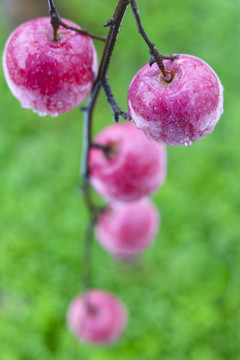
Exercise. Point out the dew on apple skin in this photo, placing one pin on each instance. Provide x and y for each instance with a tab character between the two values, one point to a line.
54	115
188	143
41	114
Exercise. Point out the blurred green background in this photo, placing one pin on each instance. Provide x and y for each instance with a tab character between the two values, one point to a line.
183	293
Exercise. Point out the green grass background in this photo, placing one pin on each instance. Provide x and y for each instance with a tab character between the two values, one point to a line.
183	293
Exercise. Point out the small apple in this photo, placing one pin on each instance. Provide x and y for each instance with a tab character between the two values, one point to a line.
126	229
134	167
48	76
97	317
181	111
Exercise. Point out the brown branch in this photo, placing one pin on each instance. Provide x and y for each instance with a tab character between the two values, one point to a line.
93	210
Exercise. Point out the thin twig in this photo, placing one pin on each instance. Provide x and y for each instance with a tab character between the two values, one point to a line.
87	257
108	150
156	56
82	31
104	148
56	21
116	110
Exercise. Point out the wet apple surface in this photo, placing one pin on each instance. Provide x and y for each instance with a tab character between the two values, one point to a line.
179	112
48	76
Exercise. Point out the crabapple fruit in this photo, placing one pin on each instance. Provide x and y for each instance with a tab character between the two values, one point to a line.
134	166
179	112
97	317
48	76
125	229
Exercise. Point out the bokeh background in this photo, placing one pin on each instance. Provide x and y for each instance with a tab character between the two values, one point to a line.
182	293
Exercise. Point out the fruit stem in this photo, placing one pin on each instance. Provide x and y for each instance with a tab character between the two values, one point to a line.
156	56
55	18
82	31
104	148
56	22
87	256
108	150
116	110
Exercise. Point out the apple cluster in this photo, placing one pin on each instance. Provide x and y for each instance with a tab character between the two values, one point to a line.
127	161
133	168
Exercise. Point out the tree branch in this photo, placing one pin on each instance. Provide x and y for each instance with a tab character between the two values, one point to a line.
114	23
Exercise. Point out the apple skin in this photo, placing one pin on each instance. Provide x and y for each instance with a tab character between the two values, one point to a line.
179	112
97	317
136	168
50	77
126	229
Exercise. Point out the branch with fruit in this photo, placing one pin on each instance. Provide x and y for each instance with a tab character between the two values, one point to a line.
51	67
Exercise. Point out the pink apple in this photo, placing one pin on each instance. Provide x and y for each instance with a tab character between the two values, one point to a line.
125	229
179	112
97	317
50	77
134	168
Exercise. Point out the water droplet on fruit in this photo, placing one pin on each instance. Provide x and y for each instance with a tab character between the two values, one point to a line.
188	143
42	114
54	115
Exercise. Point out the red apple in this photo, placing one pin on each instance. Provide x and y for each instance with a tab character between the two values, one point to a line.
97	317
50	77
179	112
135	166
125	229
